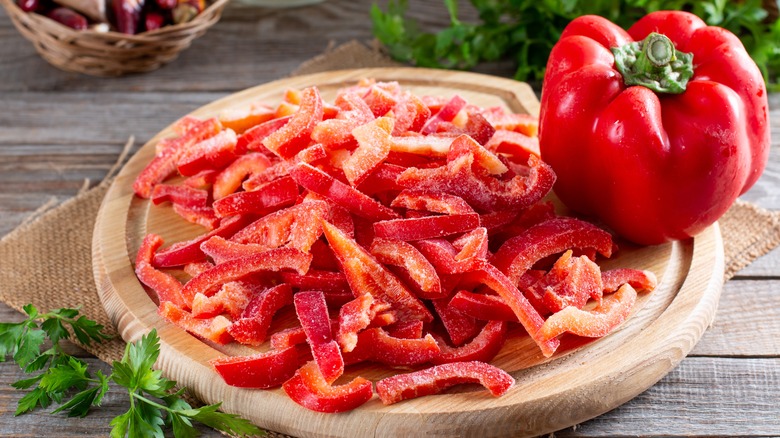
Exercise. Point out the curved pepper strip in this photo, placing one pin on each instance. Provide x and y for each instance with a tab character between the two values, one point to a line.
262	370
272	260
435	202
309	389
295	135
229	179
484	192
692	153
373	140
428	227
252	326
164	285
406	256
440	377
213	329
484	347
252	139
163	164
269	197
180	195
481	306
213	153
518	254
221	250
459	326
614	309
638	279
377	345
528	316
295	227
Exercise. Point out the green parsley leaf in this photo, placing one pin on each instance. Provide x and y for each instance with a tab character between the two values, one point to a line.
29	346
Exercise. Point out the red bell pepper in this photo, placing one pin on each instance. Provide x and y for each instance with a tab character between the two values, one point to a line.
657	130
262	370
426	227
210	154
309	389
440	377
435	202
481	306
229	179
377	345
181	253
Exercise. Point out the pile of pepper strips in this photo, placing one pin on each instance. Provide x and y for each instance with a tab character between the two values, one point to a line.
402	230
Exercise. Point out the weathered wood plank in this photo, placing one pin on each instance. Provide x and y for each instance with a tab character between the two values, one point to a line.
701	397
748	313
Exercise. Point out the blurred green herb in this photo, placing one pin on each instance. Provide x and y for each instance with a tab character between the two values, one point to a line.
154	404
525	31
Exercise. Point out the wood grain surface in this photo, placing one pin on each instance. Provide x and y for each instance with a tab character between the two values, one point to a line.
550	393
58	129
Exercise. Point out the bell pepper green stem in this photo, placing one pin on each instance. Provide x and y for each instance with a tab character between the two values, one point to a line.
654	63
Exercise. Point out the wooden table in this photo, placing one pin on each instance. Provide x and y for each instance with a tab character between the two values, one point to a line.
58	130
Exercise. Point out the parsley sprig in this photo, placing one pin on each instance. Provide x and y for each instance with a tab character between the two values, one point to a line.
155	404
526	30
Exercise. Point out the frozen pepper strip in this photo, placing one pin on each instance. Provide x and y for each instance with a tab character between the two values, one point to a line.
262	370
440	377
312	312
309	389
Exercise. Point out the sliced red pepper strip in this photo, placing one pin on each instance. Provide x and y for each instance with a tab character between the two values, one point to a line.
203	216
355	316
528	316
442	253
202	180
406	330
276	194
325	281
246	117
460	326
212	329
486	161
472	245
423	145
484	347
638	279
311	390
252	139
181	253
446	114
312	312
435	202
295	227
514	144
262	370
232	298
272	260
181	195
337	132
252	327
373	140
483	192
163	164
481	306
428	227
296	134
410	113
366	275
436	379
406	256
341	194
210	154
377	345
614	309
163	284
572	281
229	179
382	179
523	123
221	250
519	253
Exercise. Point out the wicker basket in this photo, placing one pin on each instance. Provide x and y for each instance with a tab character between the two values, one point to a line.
109	53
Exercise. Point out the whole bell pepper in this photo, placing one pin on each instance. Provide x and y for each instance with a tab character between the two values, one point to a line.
655	131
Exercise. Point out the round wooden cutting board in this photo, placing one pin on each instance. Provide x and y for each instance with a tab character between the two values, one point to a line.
583	380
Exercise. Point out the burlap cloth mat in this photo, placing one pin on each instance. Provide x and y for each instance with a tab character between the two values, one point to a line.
47	260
